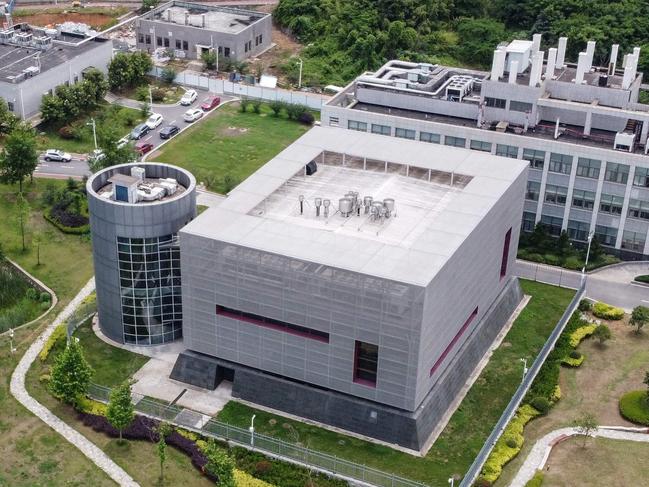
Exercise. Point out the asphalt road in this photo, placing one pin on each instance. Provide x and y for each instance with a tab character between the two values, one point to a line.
172	114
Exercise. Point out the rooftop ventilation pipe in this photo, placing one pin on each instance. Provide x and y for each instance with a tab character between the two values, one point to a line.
203	20
186	18
513	72
498	65
582	66
536	43
590	51
168	15
552	62
613	62
537	68
629	71
561	52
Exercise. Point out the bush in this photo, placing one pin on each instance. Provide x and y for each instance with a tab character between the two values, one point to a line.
556	394
262	467
45	297
243	105
277	107
552	259
541	404
574	354
502	452
244	479
535	258
536	481
634	406
32	294
142	93
256	106
585	305
573	362
158	94
580	333
57	337
607	312
168	75
511	442
643	278
45	305
129	118
294	111
306	118
54	219
66	132
574	263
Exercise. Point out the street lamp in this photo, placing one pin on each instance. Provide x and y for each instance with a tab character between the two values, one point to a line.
451	481
591	234
94	130
252	430
299	80
524	360
11	340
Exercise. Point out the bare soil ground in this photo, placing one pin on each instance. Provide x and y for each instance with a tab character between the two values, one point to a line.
608	372
97	21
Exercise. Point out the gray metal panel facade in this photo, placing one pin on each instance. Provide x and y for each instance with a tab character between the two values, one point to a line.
110	219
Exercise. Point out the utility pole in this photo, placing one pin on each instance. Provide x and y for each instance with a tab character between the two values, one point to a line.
299	81
94	130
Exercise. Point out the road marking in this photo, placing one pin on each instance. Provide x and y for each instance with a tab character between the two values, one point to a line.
172	122
148	138
645	301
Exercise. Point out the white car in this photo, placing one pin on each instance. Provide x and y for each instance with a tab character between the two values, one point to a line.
57	155
154	120
189	97
96	155
123	141
192	114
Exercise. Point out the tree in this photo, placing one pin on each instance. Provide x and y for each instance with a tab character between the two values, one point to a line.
38	239
563	244
209	59
646	382
219	464
19	157
596	249
639	317
585	425
168	75
602	333
108	138
121	411
148	5
145	109
95	84
8	120
22	216
163	430
71	374
128	69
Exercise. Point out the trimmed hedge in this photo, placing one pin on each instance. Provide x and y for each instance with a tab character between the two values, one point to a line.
536	481
607	312
244	479
644	278
59	333
573	361
580	333
502	452
634	406
80	230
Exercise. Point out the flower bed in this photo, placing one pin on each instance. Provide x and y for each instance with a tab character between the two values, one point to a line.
607	312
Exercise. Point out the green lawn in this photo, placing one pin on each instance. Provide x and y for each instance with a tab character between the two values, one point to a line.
122	119
230	144
468	428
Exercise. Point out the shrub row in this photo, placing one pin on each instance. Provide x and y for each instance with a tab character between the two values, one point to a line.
571	361
643	278
607	312
634	406
536	481
509	444
580	333
75	230
58	335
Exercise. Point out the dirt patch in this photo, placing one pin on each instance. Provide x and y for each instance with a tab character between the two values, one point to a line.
234	131
96	21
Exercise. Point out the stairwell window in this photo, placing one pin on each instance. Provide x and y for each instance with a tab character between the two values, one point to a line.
366	359
505	258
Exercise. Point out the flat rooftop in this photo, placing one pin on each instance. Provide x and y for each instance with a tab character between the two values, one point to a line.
440	195
149	188
210	17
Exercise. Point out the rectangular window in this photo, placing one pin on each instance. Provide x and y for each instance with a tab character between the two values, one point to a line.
495	102
588	168
147	39
641	177
609	203
520	106
10	106
553	224
480	145
578	230
381	129
226	51
178	44
505	259
404	133
507	151
633	241
583	199
536	158
616	173
158	41
354	125
561	163
529	219
455	141
533	190
449	347
265	322
261	38
141	38
638	209
555	195
166	42
429	137
334	121
606	235
185	46
366	360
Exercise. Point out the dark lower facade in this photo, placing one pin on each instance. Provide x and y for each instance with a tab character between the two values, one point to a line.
409	429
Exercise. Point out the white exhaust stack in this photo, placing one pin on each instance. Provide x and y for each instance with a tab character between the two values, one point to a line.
636	53
582	65
498	65
613	62
537	68
561	52
590	50
536	43
629	71
552	62
513	72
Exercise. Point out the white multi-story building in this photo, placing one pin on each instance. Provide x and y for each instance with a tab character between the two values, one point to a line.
580	127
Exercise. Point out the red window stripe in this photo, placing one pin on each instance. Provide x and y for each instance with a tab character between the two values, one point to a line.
453	342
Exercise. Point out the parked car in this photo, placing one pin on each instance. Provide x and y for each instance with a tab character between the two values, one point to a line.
211	102
57	155
123	141
96	155
192	114
154	120
169	131
189	97
140	131
143	147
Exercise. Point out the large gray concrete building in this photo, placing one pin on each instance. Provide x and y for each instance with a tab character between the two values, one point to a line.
135	212
191	29
354	279
34	61
579	127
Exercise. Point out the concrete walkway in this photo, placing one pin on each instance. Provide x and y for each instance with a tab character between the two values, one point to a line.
540	453
19	391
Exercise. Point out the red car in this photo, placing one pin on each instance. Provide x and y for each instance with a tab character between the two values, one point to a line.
210	103
143	147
